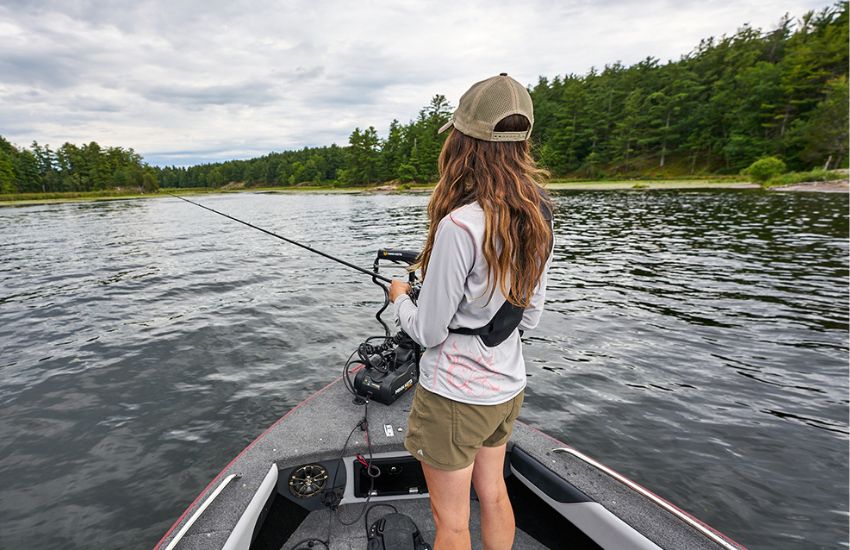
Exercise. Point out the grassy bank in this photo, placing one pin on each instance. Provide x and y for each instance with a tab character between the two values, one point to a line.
707	183
25	199
794	178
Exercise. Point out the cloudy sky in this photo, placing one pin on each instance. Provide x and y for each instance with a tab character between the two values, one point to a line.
189	82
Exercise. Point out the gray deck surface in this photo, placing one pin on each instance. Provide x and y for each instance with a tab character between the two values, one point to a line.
316	430
354	536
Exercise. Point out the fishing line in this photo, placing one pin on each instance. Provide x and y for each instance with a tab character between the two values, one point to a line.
290	241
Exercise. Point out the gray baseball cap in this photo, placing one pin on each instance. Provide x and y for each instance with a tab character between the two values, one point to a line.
486	103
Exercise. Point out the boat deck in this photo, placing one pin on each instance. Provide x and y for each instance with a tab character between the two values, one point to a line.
317	430
354	536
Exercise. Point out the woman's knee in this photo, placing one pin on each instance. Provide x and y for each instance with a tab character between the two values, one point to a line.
455	524
454	530
491	492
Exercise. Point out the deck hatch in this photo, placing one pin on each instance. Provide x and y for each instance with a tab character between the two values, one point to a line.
399	476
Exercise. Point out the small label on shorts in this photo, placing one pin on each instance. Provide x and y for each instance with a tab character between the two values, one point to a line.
388	430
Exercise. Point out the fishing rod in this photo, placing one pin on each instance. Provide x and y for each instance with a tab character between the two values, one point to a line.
290	241
388	369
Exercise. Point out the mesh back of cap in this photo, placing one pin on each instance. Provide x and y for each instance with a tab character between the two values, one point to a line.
487	102
496	102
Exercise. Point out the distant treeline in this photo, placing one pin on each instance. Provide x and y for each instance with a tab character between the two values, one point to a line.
716	110
408	153
71	168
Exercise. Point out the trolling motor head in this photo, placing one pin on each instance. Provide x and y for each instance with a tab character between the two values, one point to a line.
391	367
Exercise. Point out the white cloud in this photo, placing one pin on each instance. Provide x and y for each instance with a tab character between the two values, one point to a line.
191	81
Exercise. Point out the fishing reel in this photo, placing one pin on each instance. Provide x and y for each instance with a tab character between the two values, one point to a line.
389	363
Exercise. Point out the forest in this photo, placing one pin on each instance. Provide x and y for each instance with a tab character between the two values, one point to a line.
728	102
72	168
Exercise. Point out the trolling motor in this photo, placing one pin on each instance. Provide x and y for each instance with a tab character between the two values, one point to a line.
388	369
391	367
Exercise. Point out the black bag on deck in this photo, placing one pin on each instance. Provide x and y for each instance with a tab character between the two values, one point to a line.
396	532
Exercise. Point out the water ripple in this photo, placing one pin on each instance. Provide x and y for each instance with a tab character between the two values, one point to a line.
696	341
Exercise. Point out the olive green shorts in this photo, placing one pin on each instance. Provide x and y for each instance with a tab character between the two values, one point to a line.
446	434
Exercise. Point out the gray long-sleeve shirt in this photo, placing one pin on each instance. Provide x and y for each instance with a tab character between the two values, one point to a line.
455	294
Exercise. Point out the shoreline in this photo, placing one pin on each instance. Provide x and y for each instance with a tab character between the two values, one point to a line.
639	185
836	186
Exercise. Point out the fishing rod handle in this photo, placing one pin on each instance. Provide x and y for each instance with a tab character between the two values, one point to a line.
398	255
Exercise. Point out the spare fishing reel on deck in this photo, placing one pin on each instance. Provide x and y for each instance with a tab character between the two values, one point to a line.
390	363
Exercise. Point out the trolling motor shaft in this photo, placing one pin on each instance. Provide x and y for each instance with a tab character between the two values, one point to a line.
396	256
391	367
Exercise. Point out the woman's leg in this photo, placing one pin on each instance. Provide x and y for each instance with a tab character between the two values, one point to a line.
449	491
497	516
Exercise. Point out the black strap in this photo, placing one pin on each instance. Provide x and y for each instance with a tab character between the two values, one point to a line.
509	316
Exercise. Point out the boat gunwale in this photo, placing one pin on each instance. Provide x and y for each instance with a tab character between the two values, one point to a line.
247	448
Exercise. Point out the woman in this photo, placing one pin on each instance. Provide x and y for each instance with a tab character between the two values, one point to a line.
484	268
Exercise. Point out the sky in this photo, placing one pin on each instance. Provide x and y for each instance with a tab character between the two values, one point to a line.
187	82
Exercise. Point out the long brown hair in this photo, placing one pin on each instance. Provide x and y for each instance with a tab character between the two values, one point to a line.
506	182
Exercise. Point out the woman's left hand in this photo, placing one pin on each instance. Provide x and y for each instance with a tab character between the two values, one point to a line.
397	288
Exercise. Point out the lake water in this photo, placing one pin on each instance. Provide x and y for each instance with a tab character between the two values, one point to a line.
694	341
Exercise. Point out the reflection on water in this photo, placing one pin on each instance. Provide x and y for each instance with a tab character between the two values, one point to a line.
696	342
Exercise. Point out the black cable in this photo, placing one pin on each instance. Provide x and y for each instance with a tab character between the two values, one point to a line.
342	453
330	522
362	510
369	467
346	378
369	446
366	350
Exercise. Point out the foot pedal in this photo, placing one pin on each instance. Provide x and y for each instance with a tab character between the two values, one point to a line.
396	532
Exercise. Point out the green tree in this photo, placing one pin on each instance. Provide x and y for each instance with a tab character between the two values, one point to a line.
364	156
628	128
7	174
149	183
406	173
28	177
764	169
823	136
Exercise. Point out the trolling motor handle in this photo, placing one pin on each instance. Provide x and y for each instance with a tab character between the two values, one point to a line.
397	255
